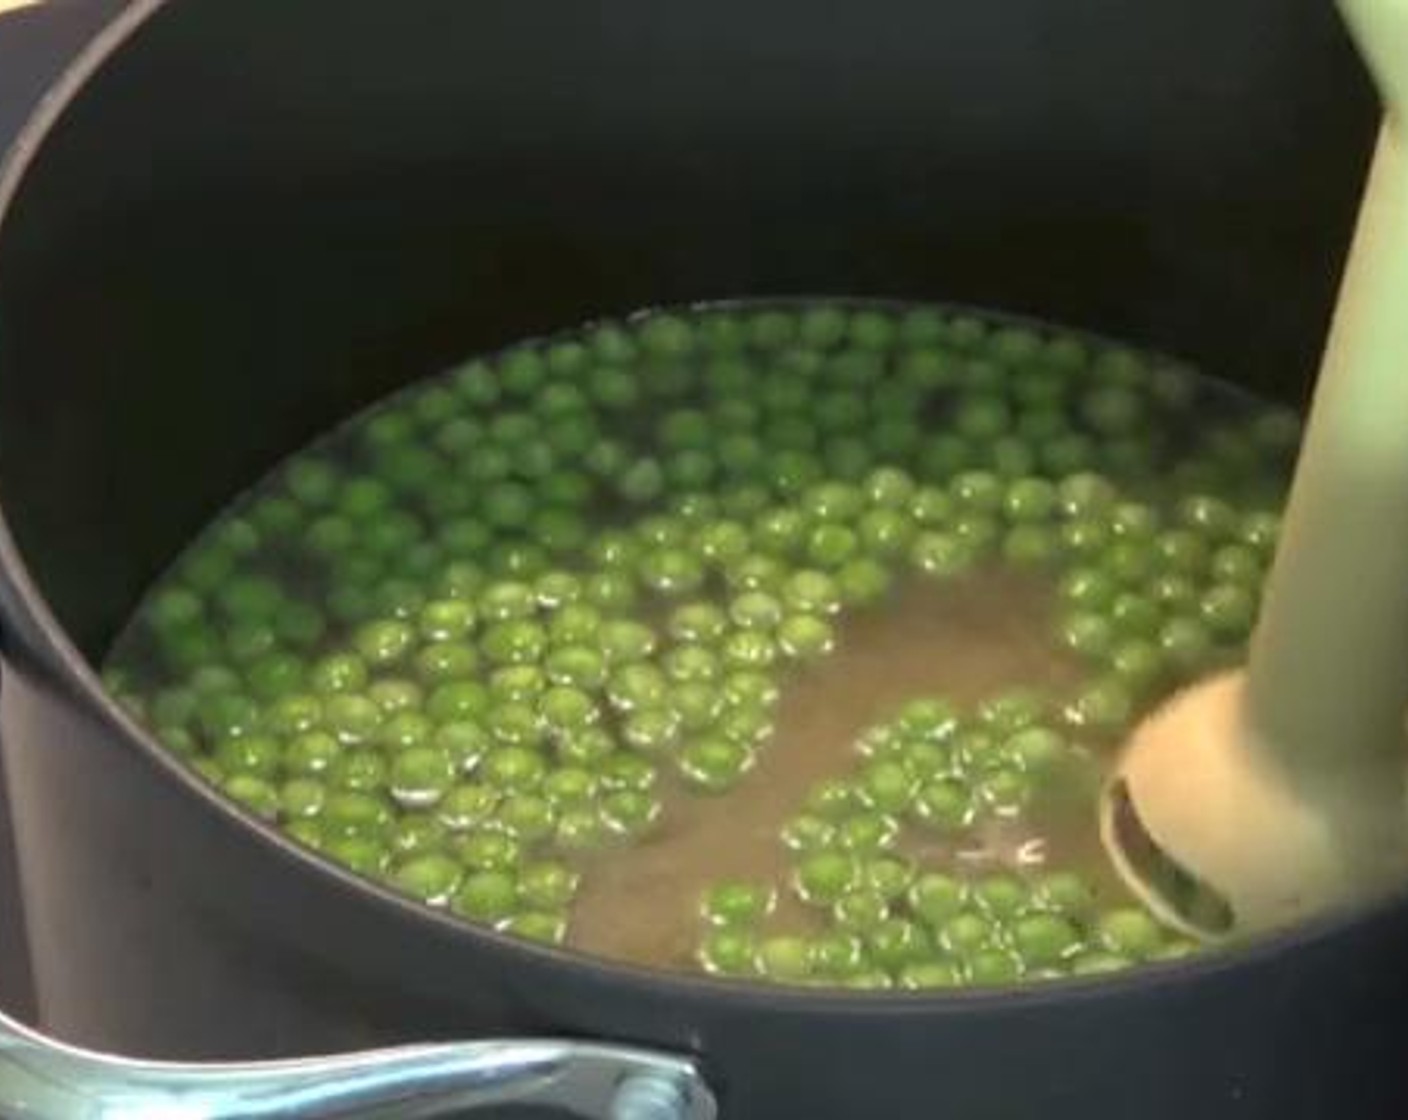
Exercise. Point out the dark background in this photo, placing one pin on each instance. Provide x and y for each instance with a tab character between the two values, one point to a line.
35	43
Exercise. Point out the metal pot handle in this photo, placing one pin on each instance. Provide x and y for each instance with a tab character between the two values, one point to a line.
41	1079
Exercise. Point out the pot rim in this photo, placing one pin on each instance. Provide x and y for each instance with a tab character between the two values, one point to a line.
28	626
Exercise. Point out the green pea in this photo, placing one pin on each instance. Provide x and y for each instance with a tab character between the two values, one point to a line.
749	649
457	700
527	817
1130	932
889	876
352	719
631	813
715	765
361	854
254	792
485	850
729	952
404	731
1035	749
624	640
580	828
924	975
1238	565
967	932
1088	589
310	754
1210	516
421	776
737	904
946	804
516	642
1104	706
548	885
1229	611
831	545
467	806
863	581
898	942
1186	643
836	955
867	833
785	959
362	771
513	768
487	896
993	967
350	813
623	770
1099	963
1000	895
1063	892
576	666
935	897
651	728
1088	634
942	554
431	878
1045	939
808	832
567	710
697	622
415	835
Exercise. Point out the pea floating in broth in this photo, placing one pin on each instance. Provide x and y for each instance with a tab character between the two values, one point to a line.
785	641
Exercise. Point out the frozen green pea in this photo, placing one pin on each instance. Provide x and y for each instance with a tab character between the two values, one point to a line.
968	932
580	828
576	666
887	875
898	942
1130	932
1105	706
1042	940
925	975
1098	963
836	955
887	786
513	768
697	622
860	910
631	813
867	833
1035	749
625	640
527	817
946	804
738	904
935	897
729	952
807	832
421	776
992	967
487	896
942	554
824	876
468	806
785	959
623	770
863	581
418	834
432	878
714	765
548	885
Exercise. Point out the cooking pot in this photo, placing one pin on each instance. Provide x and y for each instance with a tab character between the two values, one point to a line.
236	221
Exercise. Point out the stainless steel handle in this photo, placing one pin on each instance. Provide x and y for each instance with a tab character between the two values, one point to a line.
41	1079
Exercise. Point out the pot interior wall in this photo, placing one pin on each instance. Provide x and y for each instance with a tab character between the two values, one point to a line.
260	216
